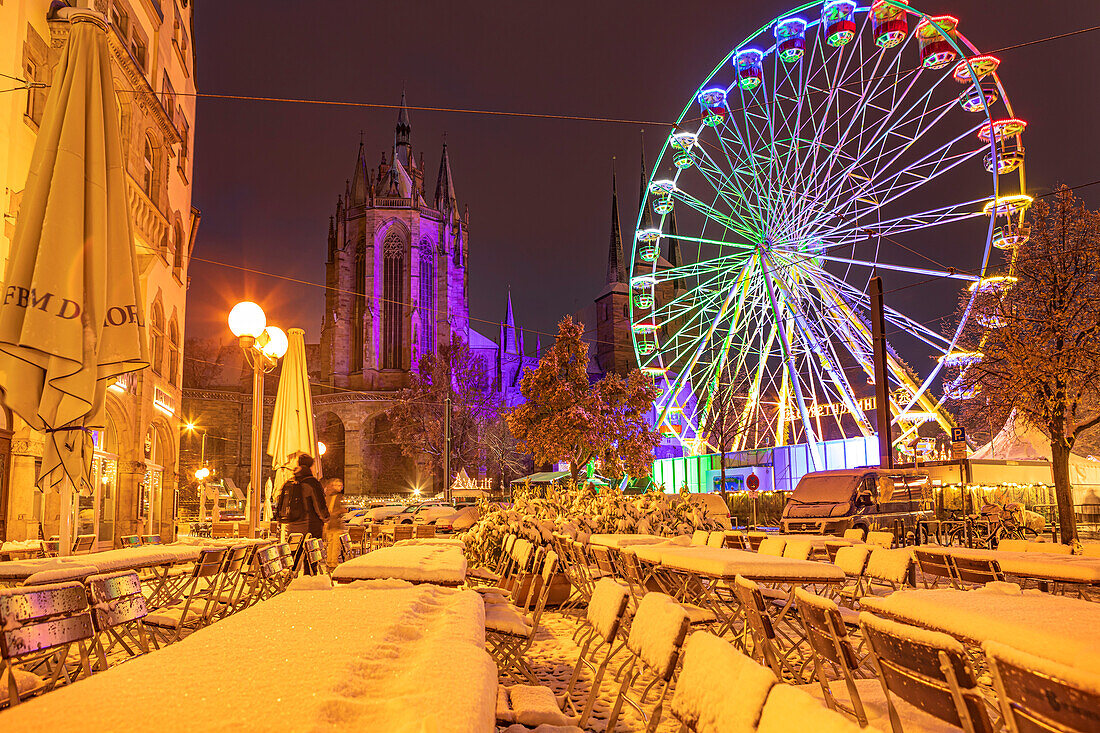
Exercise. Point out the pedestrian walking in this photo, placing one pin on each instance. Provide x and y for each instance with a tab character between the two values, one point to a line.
302	506
335	526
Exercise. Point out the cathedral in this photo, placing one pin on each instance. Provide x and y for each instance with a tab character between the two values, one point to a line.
397	287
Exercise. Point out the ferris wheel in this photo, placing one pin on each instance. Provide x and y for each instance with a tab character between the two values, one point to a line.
835	143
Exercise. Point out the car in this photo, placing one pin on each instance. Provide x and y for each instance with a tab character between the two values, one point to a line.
425	513
715	507
379	514
459	521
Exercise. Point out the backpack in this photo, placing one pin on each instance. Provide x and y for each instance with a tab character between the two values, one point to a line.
292	507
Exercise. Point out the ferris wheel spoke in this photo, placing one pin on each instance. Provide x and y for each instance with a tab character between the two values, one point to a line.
902	268
750	156
915	328
727	221
723	184
907	223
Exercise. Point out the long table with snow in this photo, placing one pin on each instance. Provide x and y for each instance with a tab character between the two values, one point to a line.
77	567
438	564
1056	627
1041	566
726	564
624	540
385	657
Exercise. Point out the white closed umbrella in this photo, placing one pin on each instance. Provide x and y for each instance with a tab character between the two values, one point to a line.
292	429
71	319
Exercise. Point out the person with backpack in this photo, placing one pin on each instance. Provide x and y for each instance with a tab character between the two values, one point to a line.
302	505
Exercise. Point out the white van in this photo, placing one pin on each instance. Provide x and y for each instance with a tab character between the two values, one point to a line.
715	507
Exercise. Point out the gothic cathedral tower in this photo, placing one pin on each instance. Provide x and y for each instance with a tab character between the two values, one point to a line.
396	272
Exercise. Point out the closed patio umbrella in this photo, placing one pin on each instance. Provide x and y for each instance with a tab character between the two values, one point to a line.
71	319
292	430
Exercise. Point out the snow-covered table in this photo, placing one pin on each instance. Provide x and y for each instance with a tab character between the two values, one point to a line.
427	541
439	564
817	541
1041	566
1055	627
624	540
78	567
394	658
725	564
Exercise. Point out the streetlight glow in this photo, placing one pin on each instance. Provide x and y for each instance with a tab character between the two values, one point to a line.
247	319
277	342
321	448
202	473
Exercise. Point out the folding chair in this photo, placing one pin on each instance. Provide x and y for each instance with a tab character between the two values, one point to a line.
889	569
376	537
831	648
1037	694
132	540
976	571
482	575
509	631
935	565
927	669
757	638
38	628
787	703
699	538
656	636
425	532
272	575
150	539
238	560
83	544
199	604
402	532
118	610
711	669
314	557
357	538
798	549
716	539
346	551
853	561
772	546
881	539
855	534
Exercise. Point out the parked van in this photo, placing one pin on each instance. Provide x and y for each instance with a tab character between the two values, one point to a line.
830	502
715	507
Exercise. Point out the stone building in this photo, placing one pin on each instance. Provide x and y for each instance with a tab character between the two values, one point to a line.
397	287
153	64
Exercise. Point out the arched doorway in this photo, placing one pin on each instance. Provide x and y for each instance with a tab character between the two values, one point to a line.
96	513
330	431
158	457
5	468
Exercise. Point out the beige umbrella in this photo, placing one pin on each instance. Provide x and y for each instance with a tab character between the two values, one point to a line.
292	430
71	320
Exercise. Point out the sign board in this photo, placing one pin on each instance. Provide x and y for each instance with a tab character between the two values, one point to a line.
958	435
752	483
958	451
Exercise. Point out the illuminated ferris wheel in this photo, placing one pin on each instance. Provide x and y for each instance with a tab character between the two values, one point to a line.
837	142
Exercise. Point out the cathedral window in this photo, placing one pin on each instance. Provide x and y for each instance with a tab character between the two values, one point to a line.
359	302
427	298
158	338
393	294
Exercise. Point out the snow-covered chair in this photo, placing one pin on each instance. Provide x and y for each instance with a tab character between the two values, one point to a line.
926	669
772	546
835	659
758	636
853	561
510	631
976	570
1037	694
314	561
712	669
935	566
39	626
656	636
196	609
717	539
233	595
855	534
889	570
755	539
533	706
484	575
789	708
881	539
798	549
699	538
118	613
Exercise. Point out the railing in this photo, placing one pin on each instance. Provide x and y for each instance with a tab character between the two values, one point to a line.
150	223
392	203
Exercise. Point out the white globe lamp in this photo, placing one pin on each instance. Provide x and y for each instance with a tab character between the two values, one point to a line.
247	320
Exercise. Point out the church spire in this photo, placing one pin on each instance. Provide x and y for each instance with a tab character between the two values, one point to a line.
444	187
616	267
647	217
511	347
360	181
402	140
675	257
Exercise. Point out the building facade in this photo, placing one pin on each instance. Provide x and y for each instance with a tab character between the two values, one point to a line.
136	458
397	288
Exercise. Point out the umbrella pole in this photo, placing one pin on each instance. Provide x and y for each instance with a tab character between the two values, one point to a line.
65	523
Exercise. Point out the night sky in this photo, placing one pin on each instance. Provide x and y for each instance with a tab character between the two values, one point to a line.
267	175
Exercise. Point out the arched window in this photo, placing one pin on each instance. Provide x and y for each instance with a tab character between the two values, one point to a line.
158	338
427	298
149	168
173	352
177	257
393	294
359	307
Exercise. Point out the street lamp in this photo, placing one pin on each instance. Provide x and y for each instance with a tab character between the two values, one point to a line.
321	448
202	474
263	346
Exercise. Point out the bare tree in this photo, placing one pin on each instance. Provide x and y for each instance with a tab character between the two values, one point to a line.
1039	337
203	359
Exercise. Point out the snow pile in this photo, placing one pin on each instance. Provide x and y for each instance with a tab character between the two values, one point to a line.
310	582
658	631
21	545
790	709
416	563
402	661
889	565
712	669
605	606
536	705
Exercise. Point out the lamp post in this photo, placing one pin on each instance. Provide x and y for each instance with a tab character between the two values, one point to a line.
263	346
